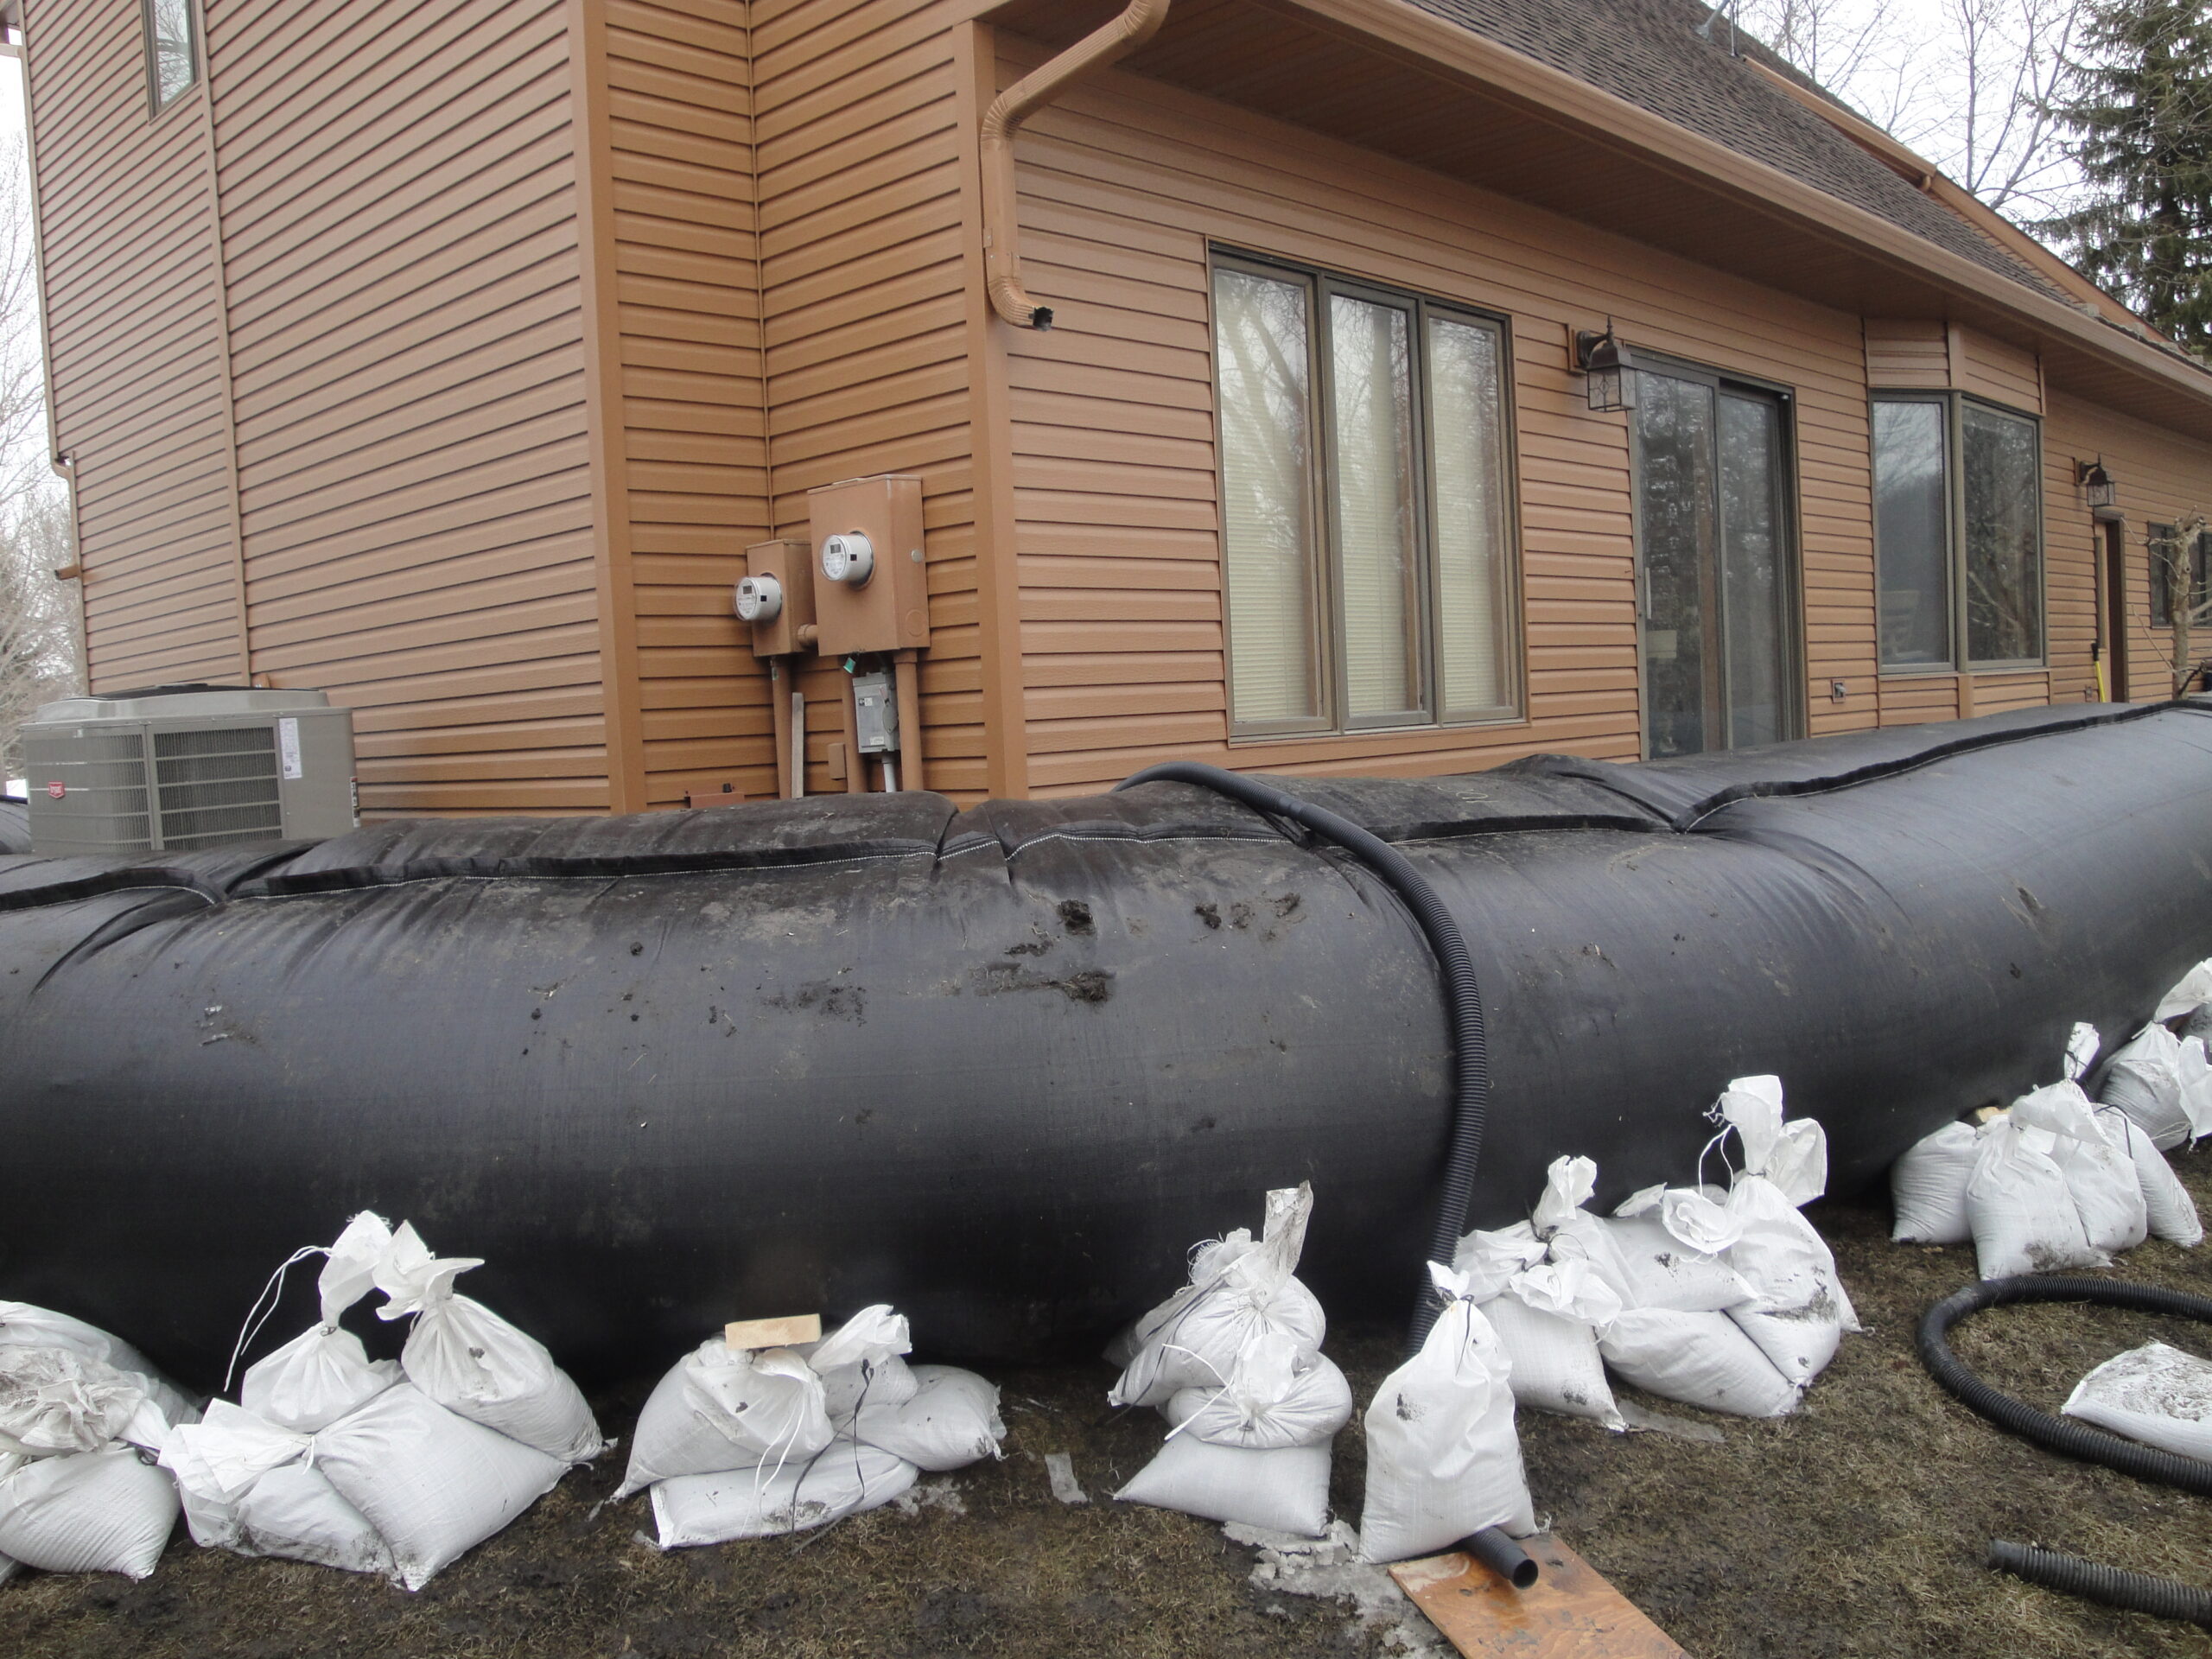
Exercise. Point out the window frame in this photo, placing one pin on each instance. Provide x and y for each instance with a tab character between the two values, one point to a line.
1326	561
1952	402
156	107
1788	517
2200	574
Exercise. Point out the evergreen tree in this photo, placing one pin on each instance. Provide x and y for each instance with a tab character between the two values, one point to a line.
2138	103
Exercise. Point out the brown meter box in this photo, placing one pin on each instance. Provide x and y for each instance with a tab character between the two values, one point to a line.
891	610
791	564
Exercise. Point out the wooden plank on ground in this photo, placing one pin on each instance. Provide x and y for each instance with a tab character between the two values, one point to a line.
1570	1613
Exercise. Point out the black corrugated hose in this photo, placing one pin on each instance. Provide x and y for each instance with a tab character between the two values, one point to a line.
2138	1592
1462	998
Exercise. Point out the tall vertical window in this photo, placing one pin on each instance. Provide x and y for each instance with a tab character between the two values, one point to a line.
1958	532
1364	505
172	51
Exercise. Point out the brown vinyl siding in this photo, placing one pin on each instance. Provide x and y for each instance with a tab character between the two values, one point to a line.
399	240
690	404
124	206
863	317
1125	183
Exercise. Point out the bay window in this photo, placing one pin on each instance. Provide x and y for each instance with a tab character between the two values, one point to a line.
1365	504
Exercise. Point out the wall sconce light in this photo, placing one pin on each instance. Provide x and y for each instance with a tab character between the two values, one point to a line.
2096	483
1610	371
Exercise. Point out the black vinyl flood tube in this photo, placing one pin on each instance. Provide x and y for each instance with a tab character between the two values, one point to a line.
2137	1591
1463	997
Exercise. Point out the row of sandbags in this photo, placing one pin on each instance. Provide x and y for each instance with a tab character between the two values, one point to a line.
749	1443
2058	1181
397	1467
1726	1299
1233	1362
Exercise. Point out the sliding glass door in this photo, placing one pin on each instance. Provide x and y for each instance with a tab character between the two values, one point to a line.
1713	574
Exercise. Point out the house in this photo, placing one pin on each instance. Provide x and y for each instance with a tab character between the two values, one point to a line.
1428	382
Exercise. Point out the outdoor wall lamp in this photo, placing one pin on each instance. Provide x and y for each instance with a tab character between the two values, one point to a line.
1611	372
2096	483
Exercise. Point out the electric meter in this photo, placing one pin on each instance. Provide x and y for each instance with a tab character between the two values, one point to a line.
760	599
848	558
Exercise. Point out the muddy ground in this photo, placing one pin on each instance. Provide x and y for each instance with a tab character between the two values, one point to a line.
1855	1527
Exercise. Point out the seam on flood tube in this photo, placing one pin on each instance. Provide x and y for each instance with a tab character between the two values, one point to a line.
99	887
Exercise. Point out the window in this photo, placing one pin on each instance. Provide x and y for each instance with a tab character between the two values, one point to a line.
1714	568
2162	539
1958	532
1365	537
172	51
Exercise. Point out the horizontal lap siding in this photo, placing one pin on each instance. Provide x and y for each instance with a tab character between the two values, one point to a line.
1123	185
688	301
136	349
861	295
400	247
2160	479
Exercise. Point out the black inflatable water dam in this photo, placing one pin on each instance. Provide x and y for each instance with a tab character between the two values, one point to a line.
1001	1066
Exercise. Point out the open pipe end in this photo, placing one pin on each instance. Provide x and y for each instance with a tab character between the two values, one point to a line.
1040	318
1495	1548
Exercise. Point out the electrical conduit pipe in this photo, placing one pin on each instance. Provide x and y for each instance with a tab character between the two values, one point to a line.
1139	22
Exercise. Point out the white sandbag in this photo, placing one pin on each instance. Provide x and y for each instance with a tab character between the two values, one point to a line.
1548	1317
2190	991
721	1408
2100	1177
324	1372
1238	1291
249	1486
1792	1156
1570	1232
1781	1256
2145	1080
860	1362
2168	1210
469	1360
1671	1242
2196	1073
1700	1360
1490	1259
1928	1188
2022	1210
2158	1394
56	1400
1443	1460
23	1325
950	1421
103	1511
1284	1488
433	1484
1275	1397
843	1480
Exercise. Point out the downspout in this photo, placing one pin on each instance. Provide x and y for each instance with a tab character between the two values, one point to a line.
1139	22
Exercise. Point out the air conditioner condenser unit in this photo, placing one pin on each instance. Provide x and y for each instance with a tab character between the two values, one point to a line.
174	769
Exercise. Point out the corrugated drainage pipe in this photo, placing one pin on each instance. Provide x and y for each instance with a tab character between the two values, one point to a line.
1138	23
2138	1592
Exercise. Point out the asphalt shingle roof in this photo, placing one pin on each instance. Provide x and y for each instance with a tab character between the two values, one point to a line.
1649	53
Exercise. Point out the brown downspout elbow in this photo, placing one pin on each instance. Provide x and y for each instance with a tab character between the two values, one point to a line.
1139	22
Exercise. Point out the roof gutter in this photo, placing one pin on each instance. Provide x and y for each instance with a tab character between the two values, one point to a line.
1429	43
1139	22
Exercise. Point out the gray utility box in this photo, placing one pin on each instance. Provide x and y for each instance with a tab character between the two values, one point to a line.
176	769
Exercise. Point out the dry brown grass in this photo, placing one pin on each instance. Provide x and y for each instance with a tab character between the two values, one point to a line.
1854	1529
